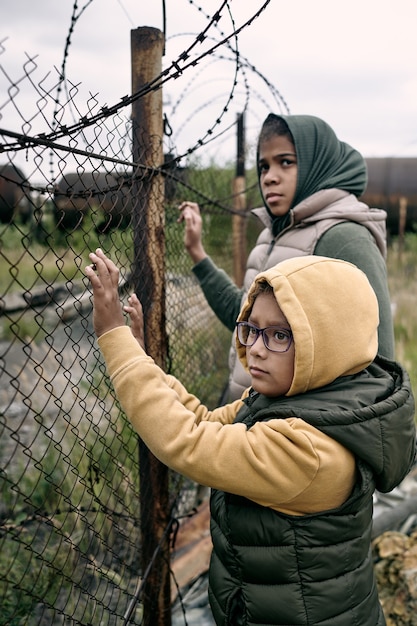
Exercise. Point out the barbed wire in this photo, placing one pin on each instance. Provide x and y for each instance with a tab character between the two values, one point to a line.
173	72
70	512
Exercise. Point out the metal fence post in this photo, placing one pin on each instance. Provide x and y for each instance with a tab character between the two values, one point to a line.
239	204
148	276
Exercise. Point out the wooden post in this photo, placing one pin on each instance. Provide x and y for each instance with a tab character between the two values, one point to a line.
148	277
401	225
239	204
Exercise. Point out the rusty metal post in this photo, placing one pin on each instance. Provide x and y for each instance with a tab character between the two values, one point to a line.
239	204
148	277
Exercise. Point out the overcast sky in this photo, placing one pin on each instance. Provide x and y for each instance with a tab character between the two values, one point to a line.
352	63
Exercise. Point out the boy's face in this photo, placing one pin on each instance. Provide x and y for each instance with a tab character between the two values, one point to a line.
278	173
271	372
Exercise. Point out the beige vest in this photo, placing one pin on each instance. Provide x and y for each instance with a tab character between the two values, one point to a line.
309	221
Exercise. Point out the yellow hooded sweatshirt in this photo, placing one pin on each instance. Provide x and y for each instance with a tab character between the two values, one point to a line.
285	464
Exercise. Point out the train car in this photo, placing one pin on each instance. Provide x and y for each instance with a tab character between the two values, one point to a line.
392	181
103	194
14	195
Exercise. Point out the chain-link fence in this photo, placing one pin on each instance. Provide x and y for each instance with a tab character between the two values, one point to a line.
72	470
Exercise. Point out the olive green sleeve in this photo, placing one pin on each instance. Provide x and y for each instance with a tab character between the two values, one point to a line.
223	296
354	243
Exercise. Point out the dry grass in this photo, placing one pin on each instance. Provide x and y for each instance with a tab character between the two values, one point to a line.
402	278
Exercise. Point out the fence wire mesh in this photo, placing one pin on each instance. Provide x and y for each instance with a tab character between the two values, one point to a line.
70	514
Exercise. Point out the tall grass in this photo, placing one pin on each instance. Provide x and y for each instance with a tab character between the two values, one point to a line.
402	277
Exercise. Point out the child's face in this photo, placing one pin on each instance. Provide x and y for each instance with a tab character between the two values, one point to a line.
271	372
278	173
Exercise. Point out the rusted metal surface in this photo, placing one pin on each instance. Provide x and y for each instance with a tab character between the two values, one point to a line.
14	195
78	193
389	180
148	278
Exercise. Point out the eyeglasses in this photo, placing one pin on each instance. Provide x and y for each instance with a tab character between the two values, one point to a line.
275	338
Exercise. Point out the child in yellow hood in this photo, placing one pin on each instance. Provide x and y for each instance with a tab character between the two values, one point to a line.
293	463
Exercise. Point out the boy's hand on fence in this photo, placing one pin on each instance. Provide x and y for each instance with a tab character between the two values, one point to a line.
104	279
190	215
135	312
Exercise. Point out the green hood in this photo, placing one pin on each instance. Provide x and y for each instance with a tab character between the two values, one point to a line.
324	162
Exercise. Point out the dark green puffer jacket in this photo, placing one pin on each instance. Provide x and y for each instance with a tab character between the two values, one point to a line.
273	569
